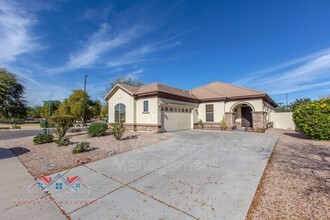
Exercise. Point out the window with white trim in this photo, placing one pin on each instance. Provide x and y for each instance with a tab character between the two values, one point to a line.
209	113
146	106
120	112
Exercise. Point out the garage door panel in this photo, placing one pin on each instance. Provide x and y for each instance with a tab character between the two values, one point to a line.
173	121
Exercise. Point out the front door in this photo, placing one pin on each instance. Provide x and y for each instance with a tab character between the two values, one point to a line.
246	116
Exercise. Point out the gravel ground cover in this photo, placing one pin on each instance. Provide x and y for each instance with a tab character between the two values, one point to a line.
296	181
46	159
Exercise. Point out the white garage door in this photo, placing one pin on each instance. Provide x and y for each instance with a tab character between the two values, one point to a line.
174	121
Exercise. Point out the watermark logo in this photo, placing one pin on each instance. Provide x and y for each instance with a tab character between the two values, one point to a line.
59	183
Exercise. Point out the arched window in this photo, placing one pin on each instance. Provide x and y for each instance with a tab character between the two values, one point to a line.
120	112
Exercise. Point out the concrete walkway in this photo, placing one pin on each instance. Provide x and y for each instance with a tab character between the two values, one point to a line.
16	202
195	175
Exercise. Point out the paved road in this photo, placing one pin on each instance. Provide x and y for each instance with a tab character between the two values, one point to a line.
8	134
15	134
195	175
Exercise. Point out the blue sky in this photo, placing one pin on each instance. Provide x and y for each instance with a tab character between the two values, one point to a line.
274	46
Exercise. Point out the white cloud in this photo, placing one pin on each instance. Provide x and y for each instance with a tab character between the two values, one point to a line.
101	42
16	36
134	74
36	96
308	72
140	54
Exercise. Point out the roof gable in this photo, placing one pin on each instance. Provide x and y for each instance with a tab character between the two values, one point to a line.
131	90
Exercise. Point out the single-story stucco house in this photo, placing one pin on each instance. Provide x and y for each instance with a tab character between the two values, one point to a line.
158	108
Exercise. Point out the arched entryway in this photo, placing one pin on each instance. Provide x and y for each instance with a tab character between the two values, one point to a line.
243	115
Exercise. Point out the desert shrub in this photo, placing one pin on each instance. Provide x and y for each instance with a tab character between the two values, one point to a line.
75	130
62	124
223	125
200	124
97	129
259	130
4	128
81	147
15	127
313	119
118	129
63	141
43	138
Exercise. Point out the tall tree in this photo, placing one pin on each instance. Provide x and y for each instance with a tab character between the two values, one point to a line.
35	111
96	108
292	106
281	108
104	111
122	80
298	102
77	102
12	103
50	109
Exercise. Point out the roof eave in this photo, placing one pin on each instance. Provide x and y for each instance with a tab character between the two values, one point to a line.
167	95
107	97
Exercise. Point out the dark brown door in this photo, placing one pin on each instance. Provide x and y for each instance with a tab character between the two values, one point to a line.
246	117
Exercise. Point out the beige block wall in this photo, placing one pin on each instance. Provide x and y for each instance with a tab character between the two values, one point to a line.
152	116
218	108
282	120
122	97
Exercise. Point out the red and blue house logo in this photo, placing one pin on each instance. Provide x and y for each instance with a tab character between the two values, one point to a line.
59	182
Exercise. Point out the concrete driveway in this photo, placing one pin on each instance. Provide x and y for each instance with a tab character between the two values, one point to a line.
195	175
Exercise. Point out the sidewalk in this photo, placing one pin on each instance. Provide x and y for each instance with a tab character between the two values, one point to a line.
16	202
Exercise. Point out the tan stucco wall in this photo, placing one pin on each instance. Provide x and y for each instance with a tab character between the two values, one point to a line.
218	108
256	103
282	120
120	96
134	108
152	116
268	108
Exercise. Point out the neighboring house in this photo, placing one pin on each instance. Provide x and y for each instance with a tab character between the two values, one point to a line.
158	108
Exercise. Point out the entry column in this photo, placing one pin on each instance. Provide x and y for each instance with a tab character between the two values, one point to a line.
230	120
259	119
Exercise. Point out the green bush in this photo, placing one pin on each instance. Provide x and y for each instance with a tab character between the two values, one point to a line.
118	129
223	125
4	128
81	147
63	141
15	127
43	138
75	130
313	119
62	124
97	129
200	124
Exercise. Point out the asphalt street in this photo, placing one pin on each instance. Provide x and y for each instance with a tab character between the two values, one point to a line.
14	134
